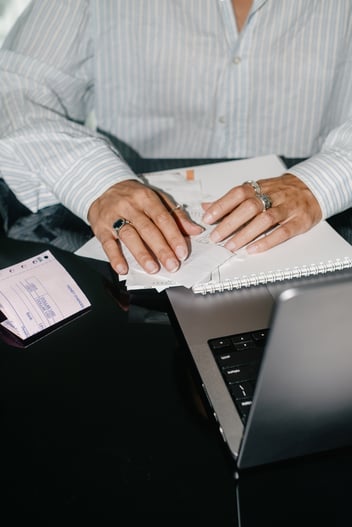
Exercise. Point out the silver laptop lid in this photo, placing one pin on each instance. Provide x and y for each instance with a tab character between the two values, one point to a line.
303	397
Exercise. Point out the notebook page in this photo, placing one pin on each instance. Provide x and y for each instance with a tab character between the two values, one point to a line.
317	251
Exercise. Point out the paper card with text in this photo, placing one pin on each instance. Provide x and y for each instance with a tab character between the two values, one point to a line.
36	296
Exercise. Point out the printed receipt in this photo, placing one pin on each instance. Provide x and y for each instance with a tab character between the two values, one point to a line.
38	293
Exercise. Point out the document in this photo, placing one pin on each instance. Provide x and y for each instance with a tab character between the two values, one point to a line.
37	295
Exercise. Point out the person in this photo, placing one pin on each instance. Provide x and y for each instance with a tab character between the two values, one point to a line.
173	79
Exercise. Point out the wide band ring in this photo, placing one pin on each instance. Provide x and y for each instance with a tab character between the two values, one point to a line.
119	223
266	201
255	185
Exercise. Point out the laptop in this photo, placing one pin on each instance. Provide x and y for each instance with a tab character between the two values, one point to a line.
296	391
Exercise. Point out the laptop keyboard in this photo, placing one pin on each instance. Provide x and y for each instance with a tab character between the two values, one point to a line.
238	357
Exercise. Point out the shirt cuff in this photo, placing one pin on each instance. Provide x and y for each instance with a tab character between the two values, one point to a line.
328	176
89	178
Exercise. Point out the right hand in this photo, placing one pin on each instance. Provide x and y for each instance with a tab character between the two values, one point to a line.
157	236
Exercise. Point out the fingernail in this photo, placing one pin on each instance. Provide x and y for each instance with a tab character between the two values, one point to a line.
172	265
231	246
252	249
215	237
121	269
151	267
207	218
181	252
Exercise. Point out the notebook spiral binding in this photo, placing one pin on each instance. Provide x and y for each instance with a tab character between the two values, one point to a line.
278	275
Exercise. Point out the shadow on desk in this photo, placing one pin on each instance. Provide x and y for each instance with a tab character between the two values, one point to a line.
311	491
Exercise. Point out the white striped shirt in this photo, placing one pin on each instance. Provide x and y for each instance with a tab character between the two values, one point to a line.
174	79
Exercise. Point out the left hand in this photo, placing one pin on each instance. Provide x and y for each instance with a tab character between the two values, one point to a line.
240	217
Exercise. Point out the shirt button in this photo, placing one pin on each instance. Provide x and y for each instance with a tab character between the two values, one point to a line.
236	60
222	119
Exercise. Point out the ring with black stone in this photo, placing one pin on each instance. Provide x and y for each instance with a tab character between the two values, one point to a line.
119	223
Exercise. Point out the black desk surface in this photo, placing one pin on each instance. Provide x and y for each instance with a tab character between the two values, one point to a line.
102	421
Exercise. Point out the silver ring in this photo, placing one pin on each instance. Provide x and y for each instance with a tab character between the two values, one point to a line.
177	207
266	201
255	186
119	223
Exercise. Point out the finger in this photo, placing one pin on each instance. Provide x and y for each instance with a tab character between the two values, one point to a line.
161	240
146	242
277	235
223	206
115	253
163	226
161	237
112	249
184	222
260	224
115	247
237	221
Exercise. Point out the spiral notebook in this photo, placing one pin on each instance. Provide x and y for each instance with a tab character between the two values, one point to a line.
317	252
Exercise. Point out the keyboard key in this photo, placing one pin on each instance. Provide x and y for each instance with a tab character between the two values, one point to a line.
243	407
242	390
260	336
238	339
220	344
243	372
240	346
235	358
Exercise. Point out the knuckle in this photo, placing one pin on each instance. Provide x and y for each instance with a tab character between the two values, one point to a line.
109	244
253	204
127	233
269	218
240	192
143	225
285	231
163	218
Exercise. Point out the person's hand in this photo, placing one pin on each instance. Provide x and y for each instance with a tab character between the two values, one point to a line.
156	232
241	215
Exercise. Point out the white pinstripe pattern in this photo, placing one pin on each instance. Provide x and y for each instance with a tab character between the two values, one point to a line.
174	79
